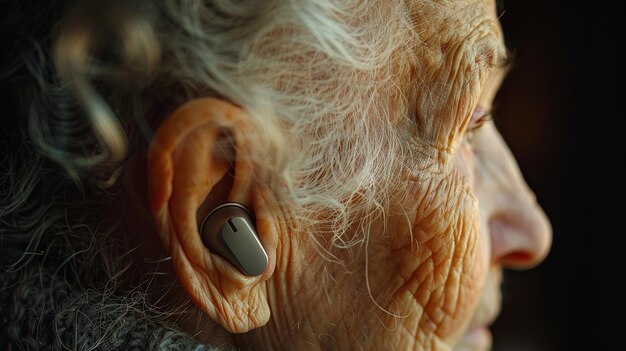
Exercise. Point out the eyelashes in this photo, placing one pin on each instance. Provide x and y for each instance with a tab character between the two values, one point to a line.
480	116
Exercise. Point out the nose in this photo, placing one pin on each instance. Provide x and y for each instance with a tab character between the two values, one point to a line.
520	231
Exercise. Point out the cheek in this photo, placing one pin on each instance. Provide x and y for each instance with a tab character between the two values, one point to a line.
446	265
466	169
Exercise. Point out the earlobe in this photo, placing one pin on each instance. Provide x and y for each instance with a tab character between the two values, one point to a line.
190	171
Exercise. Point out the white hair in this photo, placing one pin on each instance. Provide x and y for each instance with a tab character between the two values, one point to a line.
319	80
322	82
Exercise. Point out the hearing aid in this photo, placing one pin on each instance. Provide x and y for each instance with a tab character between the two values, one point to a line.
228	230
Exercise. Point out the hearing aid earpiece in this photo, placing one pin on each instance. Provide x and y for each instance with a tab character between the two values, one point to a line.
229	231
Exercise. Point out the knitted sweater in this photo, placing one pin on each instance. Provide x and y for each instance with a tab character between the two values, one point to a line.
39	311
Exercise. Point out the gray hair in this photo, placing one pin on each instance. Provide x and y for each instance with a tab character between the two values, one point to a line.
319	80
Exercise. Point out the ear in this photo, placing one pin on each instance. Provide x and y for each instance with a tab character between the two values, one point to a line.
199	159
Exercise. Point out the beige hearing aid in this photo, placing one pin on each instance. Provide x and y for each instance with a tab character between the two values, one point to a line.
228	230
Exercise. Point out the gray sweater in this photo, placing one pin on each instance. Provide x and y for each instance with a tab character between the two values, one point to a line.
41	311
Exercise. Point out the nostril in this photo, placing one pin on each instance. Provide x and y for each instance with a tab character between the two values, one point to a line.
520	237
517	259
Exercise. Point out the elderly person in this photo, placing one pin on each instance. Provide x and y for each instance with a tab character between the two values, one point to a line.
357	135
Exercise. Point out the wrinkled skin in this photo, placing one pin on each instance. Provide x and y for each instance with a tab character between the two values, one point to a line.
429	276
469	211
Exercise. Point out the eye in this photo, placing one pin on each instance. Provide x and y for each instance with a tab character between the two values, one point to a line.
480	116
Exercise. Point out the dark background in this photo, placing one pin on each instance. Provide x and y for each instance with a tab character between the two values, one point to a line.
561	112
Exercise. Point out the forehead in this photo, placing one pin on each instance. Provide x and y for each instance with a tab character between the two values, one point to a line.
454	46
458	27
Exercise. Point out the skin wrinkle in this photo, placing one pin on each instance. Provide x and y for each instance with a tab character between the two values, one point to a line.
440	260
301	292
441	188
465	53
